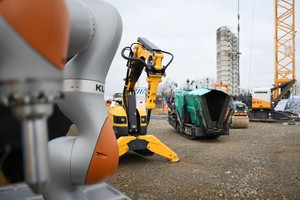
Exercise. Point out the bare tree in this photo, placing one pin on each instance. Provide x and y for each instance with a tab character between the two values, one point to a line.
205	82
165	89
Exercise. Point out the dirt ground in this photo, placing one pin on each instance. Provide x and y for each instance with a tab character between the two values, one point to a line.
260	162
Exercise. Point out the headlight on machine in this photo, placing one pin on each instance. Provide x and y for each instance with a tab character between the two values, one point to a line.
144	119
120	120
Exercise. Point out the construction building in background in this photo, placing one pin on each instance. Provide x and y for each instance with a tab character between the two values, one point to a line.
228	60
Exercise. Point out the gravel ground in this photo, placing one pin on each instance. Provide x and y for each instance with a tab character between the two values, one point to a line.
260	162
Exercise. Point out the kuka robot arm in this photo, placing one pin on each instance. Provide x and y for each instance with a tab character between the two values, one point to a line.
33	41
96	29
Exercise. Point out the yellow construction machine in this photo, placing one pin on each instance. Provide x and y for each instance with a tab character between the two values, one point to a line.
129	121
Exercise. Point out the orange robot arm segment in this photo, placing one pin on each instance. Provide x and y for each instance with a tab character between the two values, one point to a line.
39	27
106	155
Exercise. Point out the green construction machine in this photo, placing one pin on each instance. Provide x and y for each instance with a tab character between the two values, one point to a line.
200	113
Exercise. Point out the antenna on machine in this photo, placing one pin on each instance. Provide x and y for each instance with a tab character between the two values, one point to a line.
238	46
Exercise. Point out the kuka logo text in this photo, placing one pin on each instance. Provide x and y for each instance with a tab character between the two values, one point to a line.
100	88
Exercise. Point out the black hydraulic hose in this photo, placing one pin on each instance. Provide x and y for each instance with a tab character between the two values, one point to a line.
124	98
133	59
148	68
148	116
172	57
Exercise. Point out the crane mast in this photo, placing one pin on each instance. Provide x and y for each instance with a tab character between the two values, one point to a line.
285	74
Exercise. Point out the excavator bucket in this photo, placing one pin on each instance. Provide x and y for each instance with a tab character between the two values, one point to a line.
145	145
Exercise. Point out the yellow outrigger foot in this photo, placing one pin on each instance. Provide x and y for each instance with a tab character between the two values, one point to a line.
144	143
123	144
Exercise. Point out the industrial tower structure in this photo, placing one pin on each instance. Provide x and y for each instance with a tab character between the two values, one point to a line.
228	59
285	69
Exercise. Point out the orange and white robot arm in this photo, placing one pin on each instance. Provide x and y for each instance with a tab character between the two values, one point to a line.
33	41
31	81
96	29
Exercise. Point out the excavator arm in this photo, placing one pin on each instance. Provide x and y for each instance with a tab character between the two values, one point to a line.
142	56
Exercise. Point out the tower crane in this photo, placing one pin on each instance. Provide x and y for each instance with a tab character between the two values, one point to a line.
285	65
264	100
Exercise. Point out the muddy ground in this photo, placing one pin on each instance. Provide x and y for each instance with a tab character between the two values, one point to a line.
260	162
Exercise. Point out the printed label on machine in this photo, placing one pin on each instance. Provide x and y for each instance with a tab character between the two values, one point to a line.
71	85
140	94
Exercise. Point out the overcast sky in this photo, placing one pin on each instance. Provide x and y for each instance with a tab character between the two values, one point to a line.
187	29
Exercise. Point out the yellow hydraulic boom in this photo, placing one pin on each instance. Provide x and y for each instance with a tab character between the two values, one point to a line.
129	122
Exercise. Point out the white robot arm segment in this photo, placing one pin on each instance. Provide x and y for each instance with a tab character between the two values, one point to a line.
93	155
